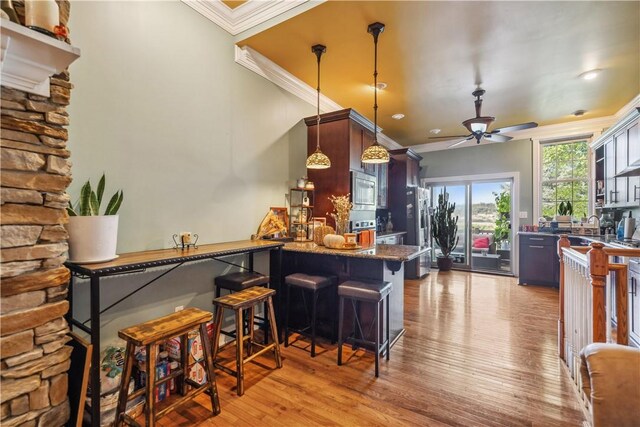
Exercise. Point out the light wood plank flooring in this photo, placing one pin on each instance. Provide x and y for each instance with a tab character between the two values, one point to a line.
479	350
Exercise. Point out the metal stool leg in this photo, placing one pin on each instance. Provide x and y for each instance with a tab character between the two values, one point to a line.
376	320
314	312
287	309
386	320
340	325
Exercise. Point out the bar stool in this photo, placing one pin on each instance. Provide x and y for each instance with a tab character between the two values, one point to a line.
150	334
238	302
367	291
239	281
307	283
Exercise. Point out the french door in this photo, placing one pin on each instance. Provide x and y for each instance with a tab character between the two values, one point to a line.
485	215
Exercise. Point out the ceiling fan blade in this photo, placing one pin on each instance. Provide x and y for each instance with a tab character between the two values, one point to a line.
448	137
515	127
497	138
460	142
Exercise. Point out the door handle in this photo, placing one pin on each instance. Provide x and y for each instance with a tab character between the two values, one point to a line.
611	193
636	193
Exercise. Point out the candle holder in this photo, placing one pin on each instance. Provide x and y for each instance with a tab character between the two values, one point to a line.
180	244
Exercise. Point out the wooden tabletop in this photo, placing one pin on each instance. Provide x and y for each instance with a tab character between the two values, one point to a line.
159	257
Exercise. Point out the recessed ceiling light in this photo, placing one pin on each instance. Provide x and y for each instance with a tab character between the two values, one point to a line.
579	113
435	131
398	116
381	86
590	75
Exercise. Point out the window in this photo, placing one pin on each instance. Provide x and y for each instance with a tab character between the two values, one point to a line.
565	177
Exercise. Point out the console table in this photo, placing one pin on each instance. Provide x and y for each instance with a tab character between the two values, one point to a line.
135	262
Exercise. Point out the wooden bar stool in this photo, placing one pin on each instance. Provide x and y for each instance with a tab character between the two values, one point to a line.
239	281
150	334
238	302
368	291
312	284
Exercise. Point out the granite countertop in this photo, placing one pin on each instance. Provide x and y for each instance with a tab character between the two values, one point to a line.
607	240
390	233
382	252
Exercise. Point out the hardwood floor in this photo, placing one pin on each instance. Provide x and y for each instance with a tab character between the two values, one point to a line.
478	350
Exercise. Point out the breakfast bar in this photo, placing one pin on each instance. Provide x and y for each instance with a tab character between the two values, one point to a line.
375	262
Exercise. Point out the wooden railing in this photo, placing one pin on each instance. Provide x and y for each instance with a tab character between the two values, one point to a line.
584	315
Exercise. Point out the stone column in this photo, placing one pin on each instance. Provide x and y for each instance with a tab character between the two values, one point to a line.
35	172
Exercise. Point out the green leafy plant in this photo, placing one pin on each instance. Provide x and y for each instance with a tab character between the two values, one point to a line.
503	223
565	208
444	226
90	201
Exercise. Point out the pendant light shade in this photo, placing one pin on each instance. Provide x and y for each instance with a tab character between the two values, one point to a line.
376	153
318	160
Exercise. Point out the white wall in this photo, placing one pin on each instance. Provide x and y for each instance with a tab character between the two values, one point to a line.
196	141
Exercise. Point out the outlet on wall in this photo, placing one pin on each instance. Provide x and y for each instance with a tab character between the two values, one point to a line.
179	308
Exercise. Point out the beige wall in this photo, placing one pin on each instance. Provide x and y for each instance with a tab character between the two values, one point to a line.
196	141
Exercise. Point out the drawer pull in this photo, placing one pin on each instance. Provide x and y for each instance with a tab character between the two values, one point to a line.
537	247
536	238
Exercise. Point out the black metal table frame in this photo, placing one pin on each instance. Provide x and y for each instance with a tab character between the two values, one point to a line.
94	276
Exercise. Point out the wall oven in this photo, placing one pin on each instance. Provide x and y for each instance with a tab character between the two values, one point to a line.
363	191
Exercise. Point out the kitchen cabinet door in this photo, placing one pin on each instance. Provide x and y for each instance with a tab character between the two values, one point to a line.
383	186
633	138
610	172
539	265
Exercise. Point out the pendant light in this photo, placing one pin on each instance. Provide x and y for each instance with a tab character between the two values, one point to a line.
318	160
376	153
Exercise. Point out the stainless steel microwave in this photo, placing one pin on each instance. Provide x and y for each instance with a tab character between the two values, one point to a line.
363	191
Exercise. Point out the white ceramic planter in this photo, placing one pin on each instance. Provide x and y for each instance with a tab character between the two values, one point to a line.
92	238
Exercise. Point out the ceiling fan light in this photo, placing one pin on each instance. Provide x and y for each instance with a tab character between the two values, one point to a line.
375	154
318	160
478	127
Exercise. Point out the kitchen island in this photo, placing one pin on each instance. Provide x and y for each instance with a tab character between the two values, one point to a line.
375	262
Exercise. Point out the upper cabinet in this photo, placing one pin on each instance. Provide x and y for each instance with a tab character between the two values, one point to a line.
404	169
621	145
344	135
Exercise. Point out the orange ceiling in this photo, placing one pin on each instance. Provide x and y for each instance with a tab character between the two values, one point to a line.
233	3
527	55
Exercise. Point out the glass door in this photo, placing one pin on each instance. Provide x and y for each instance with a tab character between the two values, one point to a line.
491	235
458	194
485	237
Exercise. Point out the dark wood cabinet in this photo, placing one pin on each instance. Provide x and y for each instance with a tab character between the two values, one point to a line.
344	134
538	259
403	171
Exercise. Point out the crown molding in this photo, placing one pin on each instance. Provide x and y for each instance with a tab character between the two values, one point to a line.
243	17
271	71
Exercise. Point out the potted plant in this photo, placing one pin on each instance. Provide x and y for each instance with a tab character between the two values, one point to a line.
565	211
93	237
444	230
503	224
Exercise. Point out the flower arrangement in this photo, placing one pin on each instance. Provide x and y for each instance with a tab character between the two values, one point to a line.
342	207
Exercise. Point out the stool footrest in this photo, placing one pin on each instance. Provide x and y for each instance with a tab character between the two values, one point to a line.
127	419
190	395
263	350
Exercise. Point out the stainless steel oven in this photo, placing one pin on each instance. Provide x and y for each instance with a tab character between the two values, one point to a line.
363	191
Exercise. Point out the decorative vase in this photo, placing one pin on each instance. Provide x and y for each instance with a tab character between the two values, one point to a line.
445	263
92	239
342	226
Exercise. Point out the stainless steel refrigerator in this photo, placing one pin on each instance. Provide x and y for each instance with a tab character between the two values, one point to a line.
418	231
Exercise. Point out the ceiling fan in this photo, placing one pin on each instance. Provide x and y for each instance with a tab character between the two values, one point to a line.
478	126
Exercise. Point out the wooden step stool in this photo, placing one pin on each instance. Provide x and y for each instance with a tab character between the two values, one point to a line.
152	333
239	301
